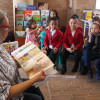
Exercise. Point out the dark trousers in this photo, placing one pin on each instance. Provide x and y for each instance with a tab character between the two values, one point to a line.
52	55
97	65
88	56
65	55
33	93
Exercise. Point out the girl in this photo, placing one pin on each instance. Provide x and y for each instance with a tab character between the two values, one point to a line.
32	32
53	13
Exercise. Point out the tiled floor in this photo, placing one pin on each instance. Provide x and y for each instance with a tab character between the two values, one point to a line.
79	88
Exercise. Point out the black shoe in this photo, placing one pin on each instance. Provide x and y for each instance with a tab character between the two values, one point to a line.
84	71
90	74
63	71
74	69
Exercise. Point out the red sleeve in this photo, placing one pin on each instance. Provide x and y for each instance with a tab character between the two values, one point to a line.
60	40
46	39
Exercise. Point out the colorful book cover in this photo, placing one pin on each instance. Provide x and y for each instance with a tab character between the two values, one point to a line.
36	12
44	18
37	18
20	12
27	15
89	15
21	6
38	23
32	7
20	33
96	12
44	23
33	60
19	17
19	25
25	25
44	12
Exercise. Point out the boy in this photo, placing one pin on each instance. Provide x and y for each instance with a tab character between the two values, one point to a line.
72	42
91	50
53	39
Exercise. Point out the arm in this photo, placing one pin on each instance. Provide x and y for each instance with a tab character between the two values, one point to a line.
21	87
46	40
31	31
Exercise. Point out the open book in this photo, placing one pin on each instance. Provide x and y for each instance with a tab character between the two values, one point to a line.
33	60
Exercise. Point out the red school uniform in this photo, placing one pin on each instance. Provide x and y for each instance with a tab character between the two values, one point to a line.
56	40
77	39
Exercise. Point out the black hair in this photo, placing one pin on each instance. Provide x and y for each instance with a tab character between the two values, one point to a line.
75	16
53	10
40	4
97	24
96	18
53	19
30	22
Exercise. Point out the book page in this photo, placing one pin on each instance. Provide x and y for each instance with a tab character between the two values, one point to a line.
33	60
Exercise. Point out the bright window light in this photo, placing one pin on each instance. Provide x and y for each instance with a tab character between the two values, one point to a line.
97	4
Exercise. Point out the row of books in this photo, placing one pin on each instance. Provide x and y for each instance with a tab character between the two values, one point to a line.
40	6
22	17
90	13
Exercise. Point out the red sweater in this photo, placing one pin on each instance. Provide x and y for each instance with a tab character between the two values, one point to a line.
56	39
77	40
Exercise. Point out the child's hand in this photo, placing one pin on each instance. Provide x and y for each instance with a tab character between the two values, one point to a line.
55	50
46	48
90	36
70	50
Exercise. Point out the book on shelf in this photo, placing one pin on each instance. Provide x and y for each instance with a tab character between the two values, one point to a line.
32	7
10	46
33	60
20	12
19	17
19	26
35	12
45	12
37	18
20	33
87	14
21	6
25	25
27	15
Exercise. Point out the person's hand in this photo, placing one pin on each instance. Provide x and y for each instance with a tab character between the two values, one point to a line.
74	49
70	50
46	48
90	36
55	50
40	76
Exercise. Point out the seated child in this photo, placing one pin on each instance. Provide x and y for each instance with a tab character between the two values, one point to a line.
53	39
91	50
72	42
42	35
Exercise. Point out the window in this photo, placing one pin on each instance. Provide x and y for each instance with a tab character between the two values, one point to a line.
97	4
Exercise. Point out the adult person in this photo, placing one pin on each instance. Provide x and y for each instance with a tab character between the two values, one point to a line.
11	86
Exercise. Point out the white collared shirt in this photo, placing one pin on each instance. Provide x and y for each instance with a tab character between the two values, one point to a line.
52	32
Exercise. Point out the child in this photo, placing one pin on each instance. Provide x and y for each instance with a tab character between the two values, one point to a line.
91	50
72	42
32	32
53	39
53	13
42	35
